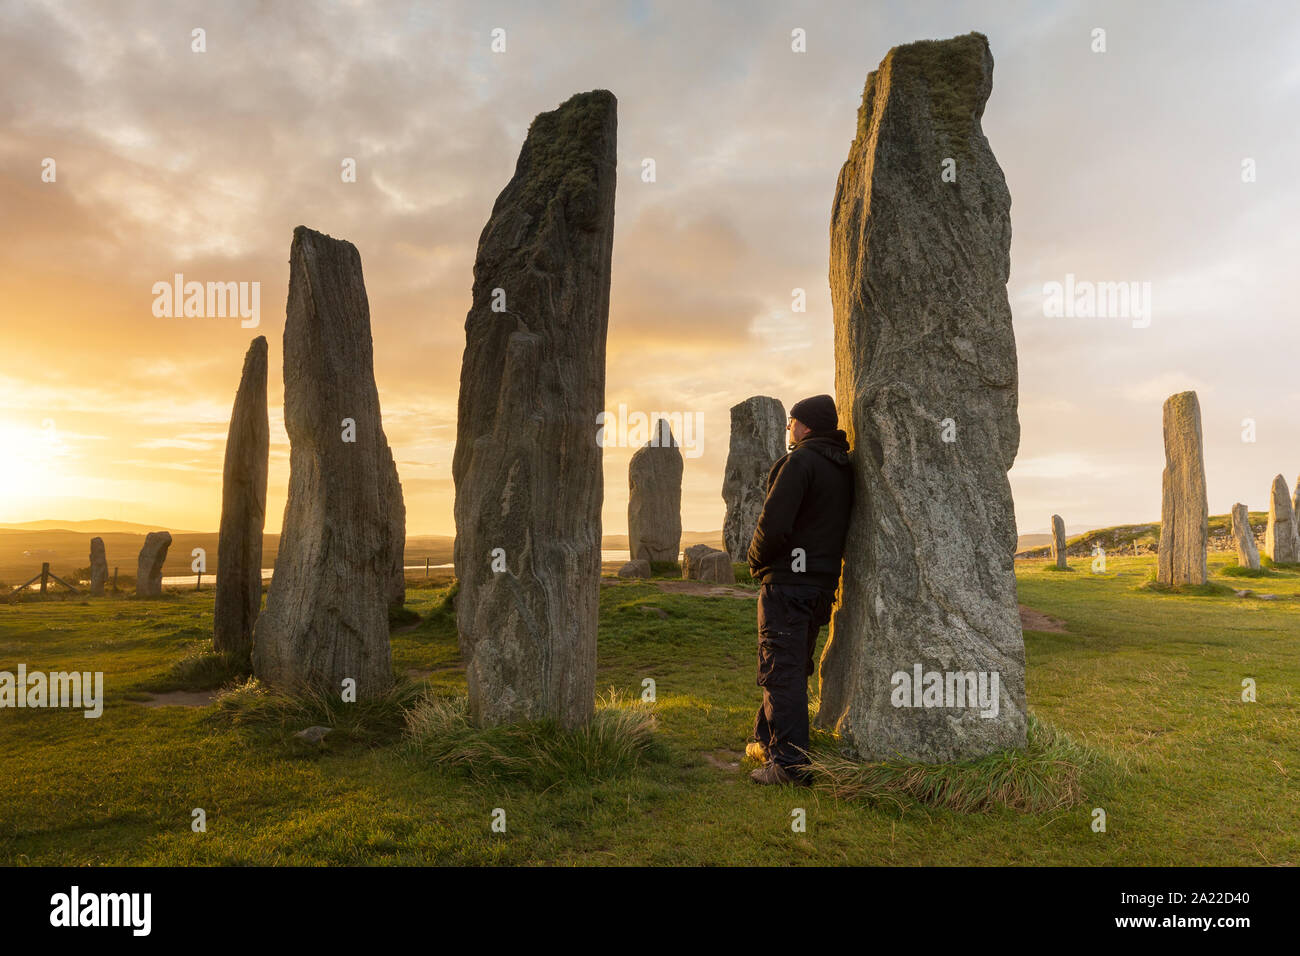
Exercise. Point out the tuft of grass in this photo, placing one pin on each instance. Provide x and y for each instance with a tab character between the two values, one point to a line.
204	669
369	721
617	740
1208	589
1237	571
1052	567
1047	775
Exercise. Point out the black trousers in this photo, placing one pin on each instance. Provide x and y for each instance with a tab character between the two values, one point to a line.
789	618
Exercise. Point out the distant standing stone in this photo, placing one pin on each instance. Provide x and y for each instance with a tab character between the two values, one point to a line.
1244	538
635	569
238	598
702	563
1184	510
1281	541
98	567
757	441
1058	542
148	574
654	504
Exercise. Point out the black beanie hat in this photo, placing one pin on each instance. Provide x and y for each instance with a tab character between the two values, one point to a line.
818	413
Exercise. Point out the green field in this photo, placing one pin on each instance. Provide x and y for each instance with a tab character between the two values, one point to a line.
1150	681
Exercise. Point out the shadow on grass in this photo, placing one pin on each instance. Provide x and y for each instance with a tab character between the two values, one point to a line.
1049	774
204	669
619	738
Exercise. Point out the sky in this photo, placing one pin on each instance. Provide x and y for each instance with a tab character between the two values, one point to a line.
1124	164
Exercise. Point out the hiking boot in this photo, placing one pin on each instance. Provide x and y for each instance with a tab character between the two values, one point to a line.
756	751
773	773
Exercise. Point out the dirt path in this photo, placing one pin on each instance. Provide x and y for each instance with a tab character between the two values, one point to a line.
1032	620
181	698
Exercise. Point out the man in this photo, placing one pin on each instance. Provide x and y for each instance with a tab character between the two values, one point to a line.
795	555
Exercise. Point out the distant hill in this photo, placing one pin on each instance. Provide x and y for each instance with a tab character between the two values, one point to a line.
96	526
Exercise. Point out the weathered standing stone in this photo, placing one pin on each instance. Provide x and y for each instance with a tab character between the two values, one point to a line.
1244	538
326	616
527	465
1184	508
98	567
148	571
1281	540
654	503
1295	503
702	563
757	441
392	508
926	383
1058	542
243	511
635	569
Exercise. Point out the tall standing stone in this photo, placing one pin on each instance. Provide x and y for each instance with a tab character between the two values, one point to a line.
148	569
1281	538
1243	537
757	441
243	511
326	616
527	465
98	567
1058	542
1295	500
926	383
654	502
393	509
1184	508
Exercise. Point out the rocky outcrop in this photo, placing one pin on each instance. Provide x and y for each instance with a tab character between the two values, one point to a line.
243	511
757	441
703	563
326	616
635	569
98	567
527	465
1184	508
926	386
1281	539
654	504
148	571
1058	542
1243	537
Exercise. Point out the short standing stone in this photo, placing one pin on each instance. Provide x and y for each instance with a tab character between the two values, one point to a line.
326	616
1281	541
243	511
926	388
654	504
148	574
527	464
703	563
98	567
635	569
1243	537
757	441
1184	509
1058	542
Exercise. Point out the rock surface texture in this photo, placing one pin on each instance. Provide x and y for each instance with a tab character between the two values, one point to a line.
1058	542
1184	508
527	464
326	617
757	441
98	567
243	511
1243	538
703	563
654	504
148	571
635	569
1281	538
926	383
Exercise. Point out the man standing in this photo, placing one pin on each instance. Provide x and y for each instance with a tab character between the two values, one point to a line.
795	555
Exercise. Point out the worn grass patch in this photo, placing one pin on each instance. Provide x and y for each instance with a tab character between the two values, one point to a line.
204	669
618	739
369	721
1047	775
1239	572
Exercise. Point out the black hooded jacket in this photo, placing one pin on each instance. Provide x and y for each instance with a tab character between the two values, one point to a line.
809	496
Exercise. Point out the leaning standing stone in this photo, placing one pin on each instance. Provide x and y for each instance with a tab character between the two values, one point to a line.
1244	538
1058	542
326	616
98	567
1184	511
243	511
926	385
1281	541
148	572
654	502
527	464
757	441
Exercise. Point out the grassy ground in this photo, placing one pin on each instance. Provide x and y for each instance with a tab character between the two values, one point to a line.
1149	679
